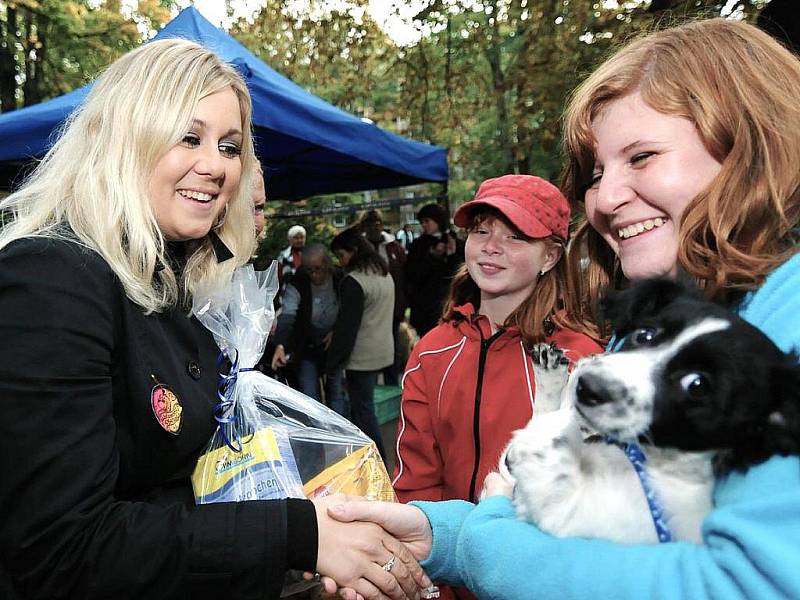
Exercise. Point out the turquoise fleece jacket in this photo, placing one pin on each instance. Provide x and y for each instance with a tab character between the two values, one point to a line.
751	543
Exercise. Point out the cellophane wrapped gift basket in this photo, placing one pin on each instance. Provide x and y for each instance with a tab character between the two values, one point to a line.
271	440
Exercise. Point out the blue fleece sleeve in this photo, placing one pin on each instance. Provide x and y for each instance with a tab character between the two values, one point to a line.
751	550
446	518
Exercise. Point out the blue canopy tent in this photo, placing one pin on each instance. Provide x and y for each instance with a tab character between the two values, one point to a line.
306	145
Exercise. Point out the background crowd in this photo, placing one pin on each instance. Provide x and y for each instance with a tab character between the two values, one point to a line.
338	330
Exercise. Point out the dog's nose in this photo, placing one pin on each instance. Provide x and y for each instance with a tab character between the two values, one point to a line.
591	391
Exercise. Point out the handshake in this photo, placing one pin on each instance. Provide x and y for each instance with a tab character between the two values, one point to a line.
371	550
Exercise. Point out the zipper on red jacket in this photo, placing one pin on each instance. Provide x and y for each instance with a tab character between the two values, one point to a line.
476	420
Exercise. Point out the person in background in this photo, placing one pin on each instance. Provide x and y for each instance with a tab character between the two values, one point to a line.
290	258
259	221
469	382
362	336
694	134
395	256
305	326
405	236
433	259
108	385
259	200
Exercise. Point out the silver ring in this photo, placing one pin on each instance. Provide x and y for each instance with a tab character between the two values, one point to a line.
389	563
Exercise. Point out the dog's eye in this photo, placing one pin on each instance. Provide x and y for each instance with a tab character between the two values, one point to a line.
643	336
696	385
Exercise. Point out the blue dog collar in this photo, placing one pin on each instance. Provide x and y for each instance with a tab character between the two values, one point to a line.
638	460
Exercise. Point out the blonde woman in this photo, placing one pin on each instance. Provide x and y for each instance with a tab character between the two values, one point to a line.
107	386
695	129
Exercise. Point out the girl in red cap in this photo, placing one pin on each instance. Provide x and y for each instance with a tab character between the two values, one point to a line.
469	382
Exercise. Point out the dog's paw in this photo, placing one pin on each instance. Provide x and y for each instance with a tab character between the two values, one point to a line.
550	371
548	356
543	459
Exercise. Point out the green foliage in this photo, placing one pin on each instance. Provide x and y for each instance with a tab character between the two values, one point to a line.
50	47
487	79
339	54
491	78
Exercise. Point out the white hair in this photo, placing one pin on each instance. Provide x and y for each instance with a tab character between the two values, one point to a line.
93	184
296	230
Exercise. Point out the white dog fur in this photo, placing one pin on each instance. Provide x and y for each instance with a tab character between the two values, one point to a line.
570	487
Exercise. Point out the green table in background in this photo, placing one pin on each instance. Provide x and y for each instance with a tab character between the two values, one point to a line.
387	409
387	403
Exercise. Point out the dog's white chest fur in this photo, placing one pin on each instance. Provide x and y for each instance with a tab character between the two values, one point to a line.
569	487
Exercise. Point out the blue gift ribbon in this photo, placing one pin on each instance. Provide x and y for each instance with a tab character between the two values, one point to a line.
224	393
638	460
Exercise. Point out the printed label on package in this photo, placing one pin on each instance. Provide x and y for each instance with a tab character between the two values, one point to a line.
265	469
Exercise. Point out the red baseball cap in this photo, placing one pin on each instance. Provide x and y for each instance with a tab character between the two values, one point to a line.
536	207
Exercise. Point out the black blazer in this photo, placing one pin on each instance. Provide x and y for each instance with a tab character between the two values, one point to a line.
95	496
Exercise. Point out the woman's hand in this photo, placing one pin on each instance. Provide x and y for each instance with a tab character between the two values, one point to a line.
278	358
406	523
451	245
365	559
438	249
496	485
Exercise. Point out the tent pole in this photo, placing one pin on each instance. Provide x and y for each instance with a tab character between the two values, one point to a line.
444	197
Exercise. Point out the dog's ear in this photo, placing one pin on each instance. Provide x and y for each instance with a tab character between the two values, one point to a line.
626	308
783	424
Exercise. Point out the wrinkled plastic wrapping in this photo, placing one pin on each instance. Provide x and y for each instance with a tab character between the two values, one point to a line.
273	441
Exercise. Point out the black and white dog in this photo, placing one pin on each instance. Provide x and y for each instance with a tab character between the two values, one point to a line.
697	389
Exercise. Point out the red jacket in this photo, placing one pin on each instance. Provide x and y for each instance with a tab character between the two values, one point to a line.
464	393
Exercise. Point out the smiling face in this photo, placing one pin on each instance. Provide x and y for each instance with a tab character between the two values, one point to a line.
298	241
194	180
649	166
503	263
